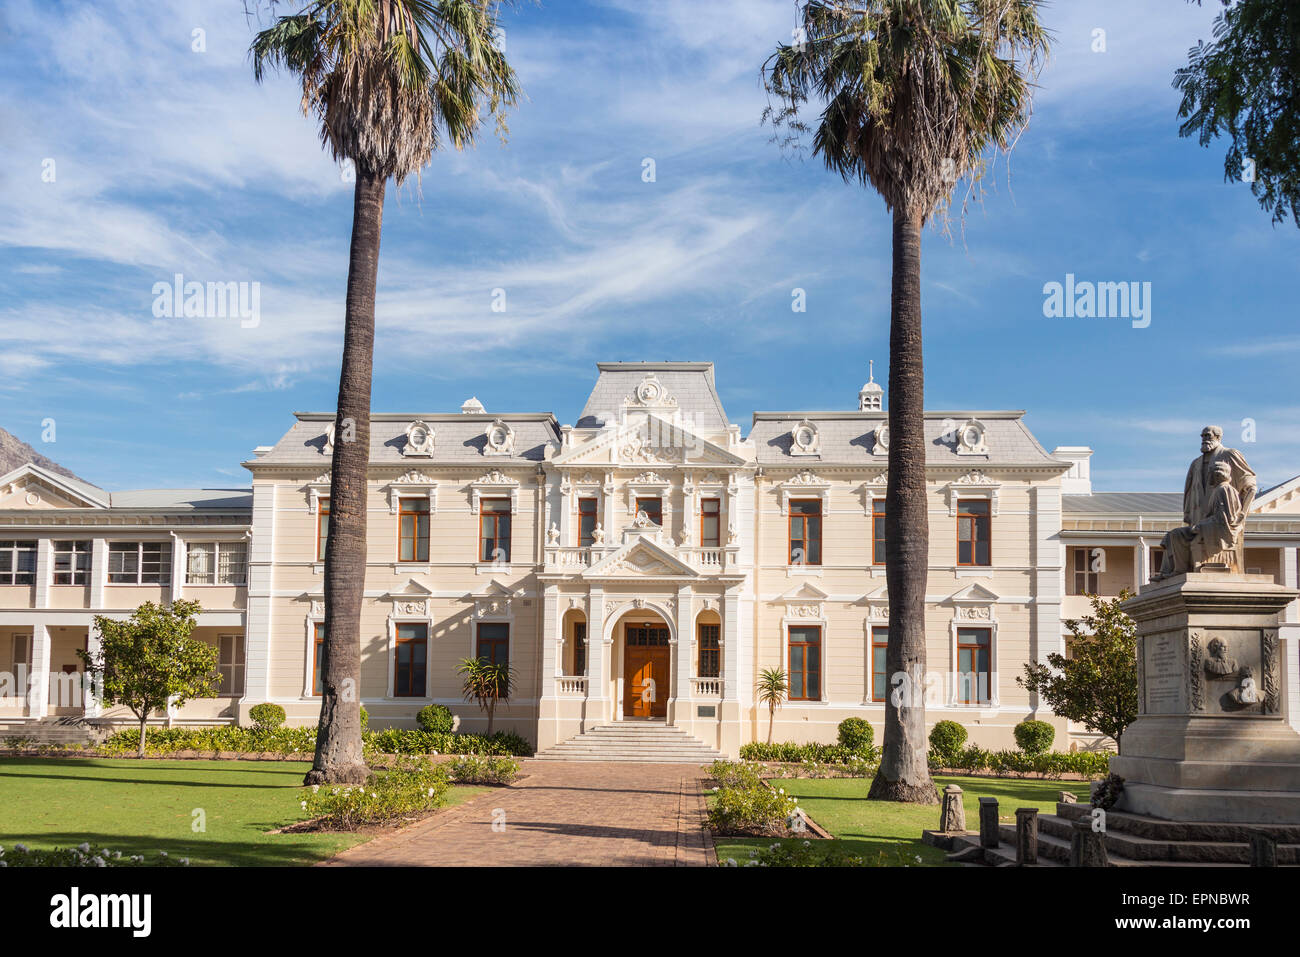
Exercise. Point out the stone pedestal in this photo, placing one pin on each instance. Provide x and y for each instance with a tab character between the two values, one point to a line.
1211	742
1026	835
952	818
988	822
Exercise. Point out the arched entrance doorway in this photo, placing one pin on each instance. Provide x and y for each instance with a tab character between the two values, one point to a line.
647	665
643	665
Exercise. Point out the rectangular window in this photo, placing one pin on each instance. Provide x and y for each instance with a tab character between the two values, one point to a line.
17	563
21	658
1157	559
317	657
710	665
973	532
71	563
413	530
139	563
805	663
974	658
587	522
494	530
653	508
711	522
879	674
322	527
1084	580
878	531
806	532
216	563
412	659
230	665
579	647
494	642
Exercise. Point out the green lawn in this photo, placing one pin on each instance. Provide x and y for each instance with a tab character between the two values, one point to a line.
143	807
890	834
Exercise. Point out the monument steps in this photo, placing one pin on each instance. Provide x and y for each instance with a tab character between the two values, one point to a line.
1158	829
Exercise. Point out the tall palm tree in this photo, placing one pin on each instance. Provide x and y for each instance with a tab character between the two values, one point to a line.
390	82
914	96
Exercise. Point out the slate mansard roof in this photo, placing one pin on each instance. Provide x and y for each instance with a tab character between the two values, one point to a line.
849	438
690	383
458	439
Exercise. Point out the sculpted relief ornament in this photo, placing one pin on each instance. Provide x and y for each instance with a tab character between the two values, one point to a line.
1217	496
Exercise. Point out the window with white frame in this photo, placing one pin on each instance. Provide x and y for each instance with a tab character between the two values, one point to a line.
17	563
139	563
216	563
230	665
71	563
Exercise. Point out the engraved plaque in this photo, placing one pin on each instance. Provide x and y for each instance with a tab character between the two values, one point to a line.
1163	668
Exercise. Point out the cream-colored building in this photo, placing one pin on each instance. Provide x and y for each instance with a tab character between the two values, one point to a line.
646	563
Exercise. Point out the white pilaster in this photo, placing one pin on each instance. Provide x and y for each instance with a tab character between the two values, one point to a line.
685	655
38	690
598	649
98	571
552	635
44	571
261	581
731	644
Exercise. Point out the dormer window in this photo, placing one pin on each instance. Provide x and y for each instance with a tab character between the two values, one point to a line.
500	439
419	440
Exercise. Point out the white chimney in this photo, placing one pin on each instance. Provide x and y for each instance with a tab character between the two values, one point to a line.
1077	481
472	406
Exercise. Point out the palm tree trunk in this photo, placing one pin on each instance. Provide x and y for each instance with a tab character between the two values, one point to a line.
771	719
338	740
904	773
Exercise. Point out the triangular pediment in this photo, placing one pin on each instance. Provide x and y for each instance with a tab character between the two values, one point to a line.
1282	499
805	591
493	589
412	589
641	558
974	594
652	441
32	487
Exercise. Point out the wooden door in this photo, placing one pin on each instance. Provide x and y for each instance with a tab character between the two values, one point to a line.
645	673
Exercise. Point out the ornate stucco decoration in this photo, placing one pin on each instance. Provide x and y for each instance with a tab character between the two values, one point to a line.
805	439
493	484
880	439
419	440
637	449
500	438
316	489
804	484
412	480
970	438
327	447
974	484
650	393
1196	674
1270	679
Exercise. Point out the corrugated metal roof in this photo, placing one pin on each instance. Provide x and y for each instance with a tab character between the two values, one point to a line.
1132	503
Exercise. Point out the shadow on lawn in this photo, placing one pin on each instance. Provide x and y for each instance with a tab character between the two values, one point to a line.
111	772
201	852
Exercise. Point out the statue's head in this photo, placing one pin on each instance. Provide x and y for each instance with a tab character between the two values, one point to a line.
1217	647
1222	473
1211	438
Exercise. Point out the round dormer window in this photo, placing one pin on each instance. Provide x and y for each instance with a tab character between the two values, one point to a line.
805	437
648	391
499	436
882	437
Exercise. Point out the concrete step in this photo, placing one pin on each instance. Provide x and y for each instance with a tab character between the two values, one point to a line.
1160	830
632	742
1126	850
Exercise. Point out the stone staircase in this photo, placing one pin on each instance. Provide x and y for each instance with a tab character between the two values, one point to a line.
1133	840
51	731
632	741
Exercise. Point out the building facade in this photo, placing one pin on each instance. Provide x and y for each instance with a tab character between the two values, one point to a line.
646	563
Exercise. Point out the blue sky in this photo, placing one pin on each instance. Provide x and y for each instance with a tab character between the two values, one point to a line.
169	160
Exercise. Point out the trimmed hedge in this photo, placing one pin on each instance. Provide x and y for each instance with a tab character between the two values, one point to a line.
1049	764
855	735
302	741
947	739
267	716
435	717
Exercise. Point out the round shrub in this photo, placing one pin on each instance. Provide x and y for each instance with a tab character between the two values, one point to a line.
266	717
1034	737
436	718
946	739
856	735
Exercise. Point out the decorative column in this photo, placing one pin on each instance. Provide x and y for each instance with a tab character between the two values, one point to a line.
92	707
552	639
730	613
38	690
597	704
257	617
98	572
178	568
685	662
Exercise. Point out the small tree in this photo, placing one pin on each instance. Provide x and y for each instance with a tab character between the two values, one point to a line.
152	659
772	689
1097	683
488	683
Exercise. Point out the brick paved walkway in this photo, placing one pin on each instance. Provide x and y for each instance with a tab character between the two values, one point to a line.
562	813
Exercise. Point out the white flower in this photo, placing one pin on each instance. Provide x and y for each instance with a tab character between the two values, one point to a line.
84	848
185	862
162	853
21	847
303	804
